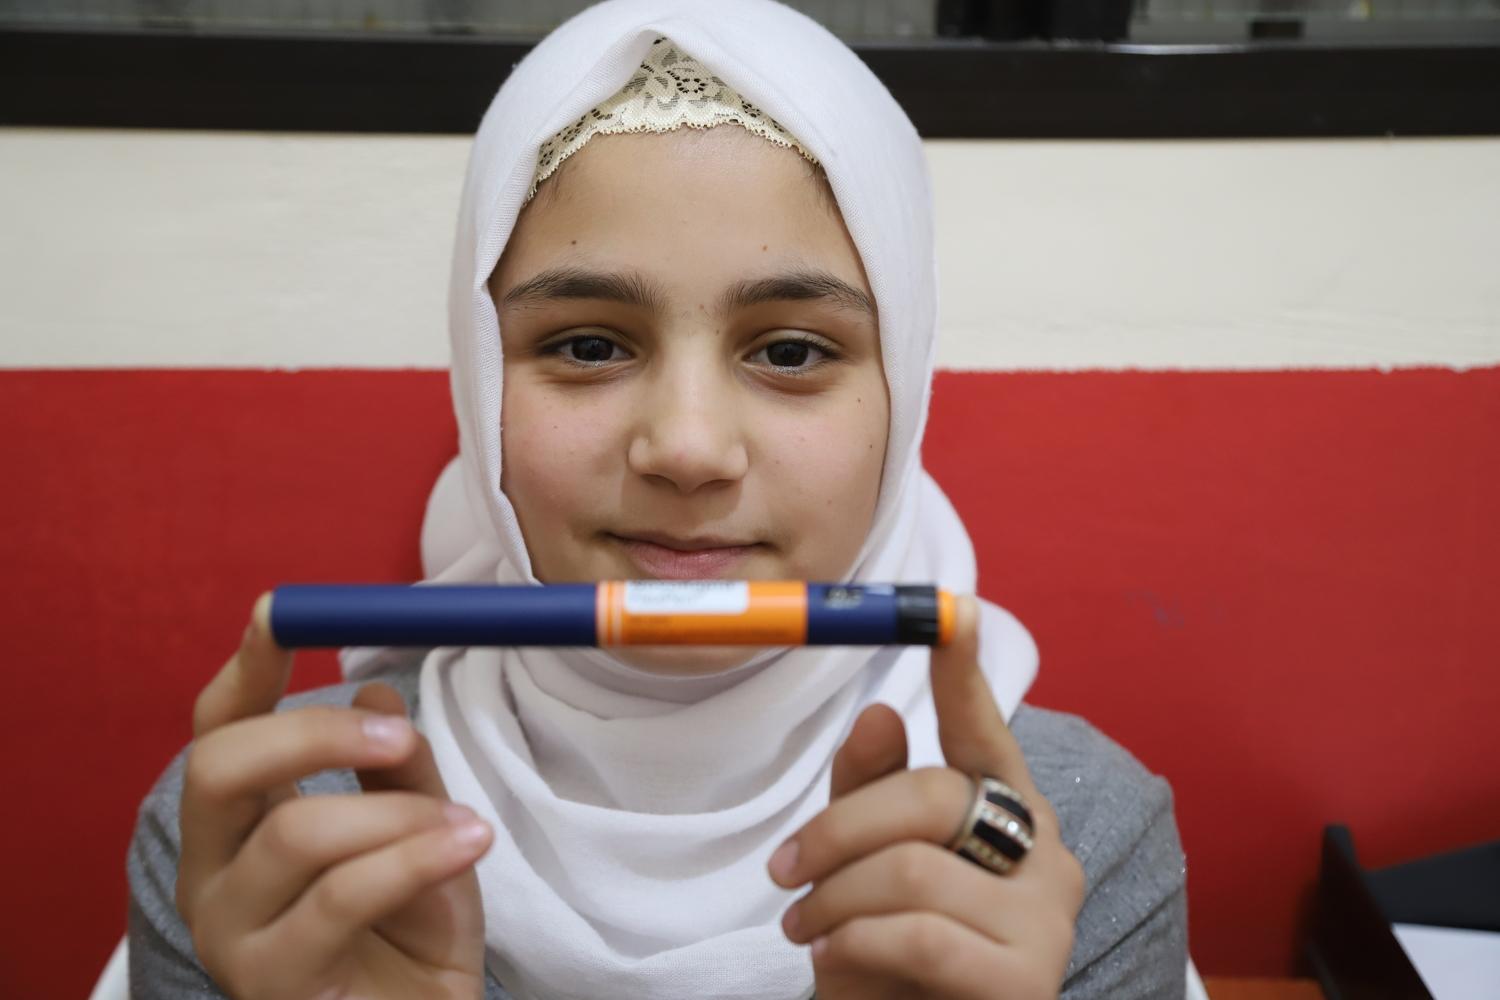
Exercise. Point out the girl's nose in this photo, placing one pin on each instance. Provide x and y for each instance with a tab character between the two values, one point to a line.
689	436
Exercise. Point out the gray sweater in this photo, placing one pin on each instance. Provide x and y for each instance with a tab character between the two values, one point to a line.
1116	817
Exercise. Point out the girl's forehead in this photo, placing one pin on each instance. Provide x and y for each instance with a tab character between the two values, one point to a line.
702	201
726	162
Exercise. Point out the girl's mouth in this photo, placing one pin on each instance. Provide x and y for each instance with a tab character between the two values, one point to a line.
665	558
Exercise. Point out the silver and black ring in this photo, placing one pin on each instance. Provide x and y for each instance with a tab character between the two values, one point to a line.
998	830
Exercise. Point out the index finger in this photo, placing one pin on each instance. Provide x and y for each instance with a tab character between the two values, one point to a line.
251	682
971	727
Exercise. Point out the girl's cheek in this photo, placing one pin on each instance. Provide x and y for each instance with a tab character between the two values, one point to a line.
839	442
828	463
552	444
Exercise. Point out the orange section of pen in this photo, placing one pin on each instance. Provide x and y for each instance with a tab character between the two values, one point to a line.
770	613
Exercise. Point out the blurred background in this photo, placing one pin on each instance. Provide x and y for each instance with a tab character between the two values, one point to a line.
1219	395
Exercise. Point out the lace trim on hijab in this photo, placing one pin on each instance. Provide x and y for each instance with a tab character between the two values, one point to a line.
670	90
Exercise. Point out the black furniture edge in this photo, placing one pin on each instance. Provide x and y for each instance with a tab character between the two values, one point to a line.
1353	949
1458	888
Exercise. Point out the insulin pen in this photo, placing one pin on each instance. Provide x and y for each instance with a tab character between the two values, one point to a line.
614	613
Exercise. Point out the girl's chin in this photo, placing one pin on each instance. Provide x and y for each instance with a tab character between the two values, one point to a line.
685	661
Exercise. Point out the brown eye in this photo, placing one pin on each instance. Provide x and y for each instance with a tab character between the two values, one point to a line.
798	356
591	350
788	354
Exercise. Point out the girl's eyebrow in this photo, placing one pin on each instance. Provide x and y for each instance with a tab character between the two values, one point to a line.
796	286
628	287
635	289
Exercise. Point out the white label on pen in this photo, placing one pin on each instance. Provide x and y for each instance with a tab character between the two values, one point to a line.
664	597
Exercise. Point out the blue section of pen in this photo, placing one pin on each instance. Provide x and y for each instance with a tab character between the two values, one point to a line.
322	615
839	615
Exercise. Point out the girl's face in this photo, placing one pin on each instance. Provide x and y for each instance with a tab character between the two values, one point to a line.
693	382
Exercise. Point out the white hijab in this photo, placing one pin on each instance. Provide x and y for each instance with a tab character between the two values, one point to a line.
634	813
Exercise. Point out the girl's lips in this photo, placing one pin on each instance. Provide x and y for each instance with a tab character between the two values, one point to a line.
659	562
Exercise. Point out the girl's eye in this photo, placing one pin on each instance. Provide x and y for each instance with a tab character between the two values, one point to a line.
788	354
589	350
793	354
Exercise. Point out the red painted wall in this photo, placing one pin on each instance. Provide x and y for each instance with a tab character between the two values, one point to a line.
1281	590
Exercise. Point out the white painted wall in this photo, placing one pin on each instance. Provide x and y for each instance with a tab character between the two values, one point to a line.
137	248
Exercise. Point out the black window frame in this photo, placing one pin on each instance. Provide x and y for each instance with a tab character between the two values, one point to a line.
965	86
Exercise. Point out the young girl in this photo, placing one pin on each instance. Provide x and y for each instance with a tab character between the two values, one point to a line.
693	307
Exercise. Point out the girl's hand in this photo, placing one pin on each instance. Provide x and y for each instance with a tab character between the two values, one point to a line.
326	896
892	912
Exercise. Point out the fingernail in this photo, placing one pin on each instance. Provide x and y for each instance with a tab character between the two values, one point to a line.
818	946
456	814
790	920
387	731
783	862
470	833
